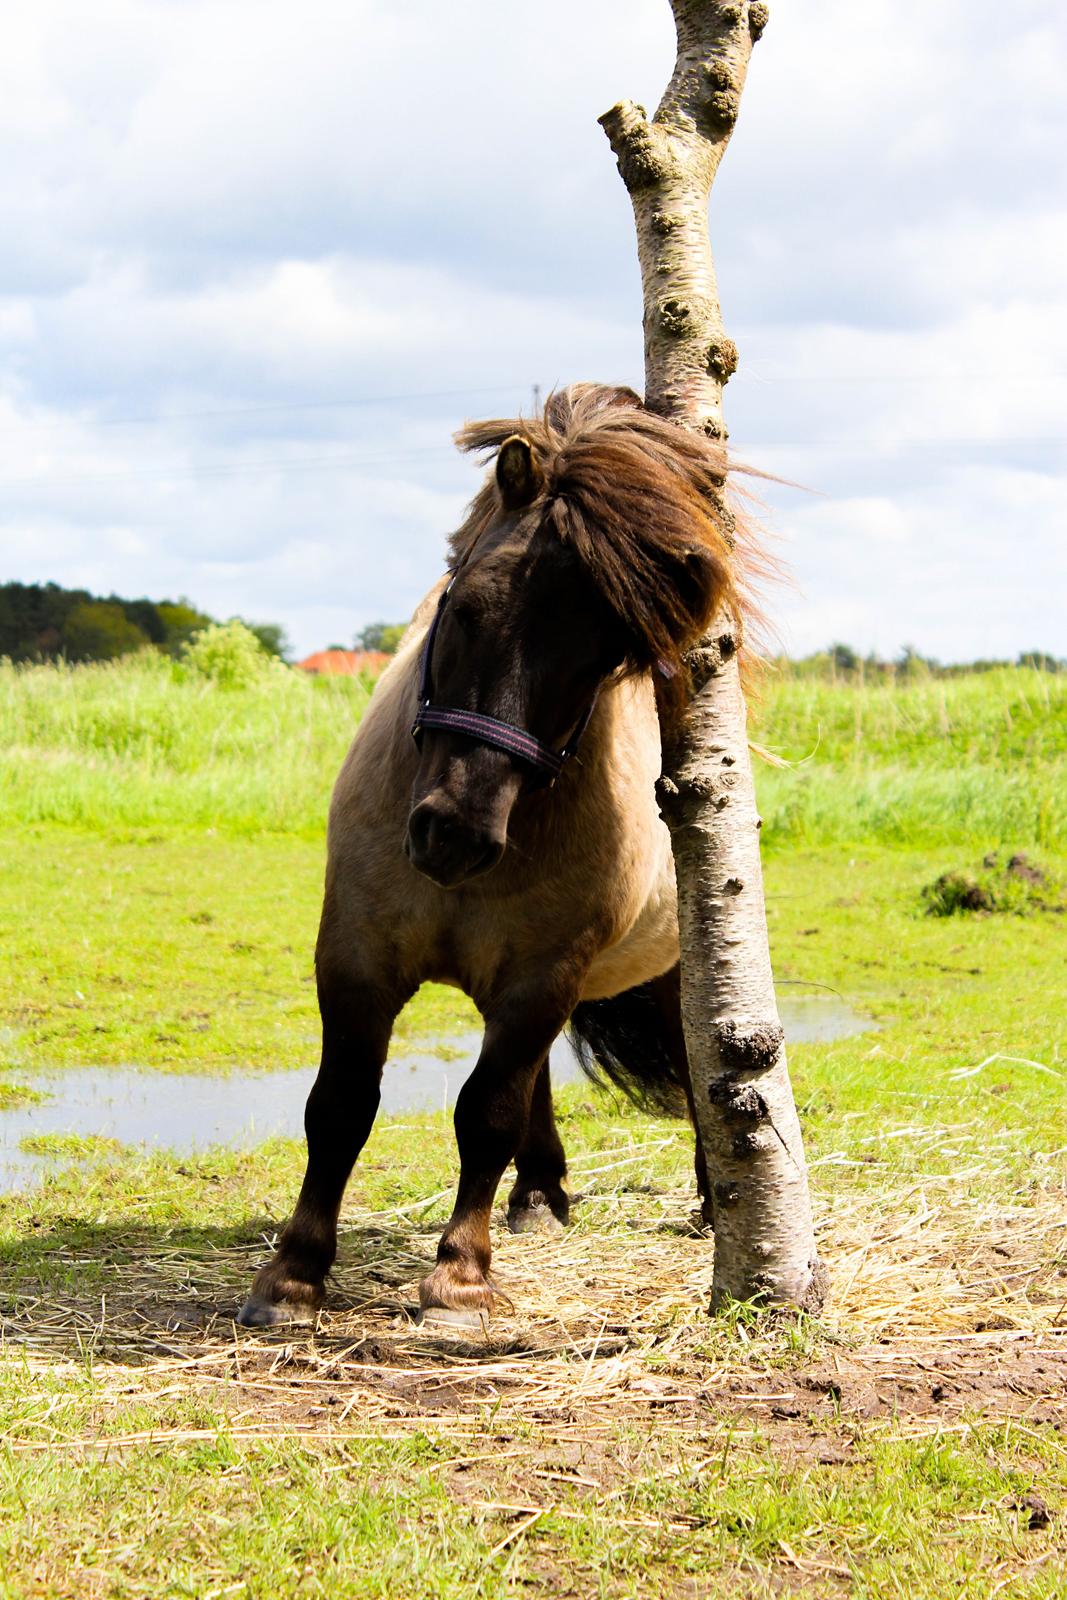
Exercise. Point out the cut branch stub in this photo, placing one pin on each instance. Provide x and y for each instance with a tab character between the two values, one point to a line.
668	166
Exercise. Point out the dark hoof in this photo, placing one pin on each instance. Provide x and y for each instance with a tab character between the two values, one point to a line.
538	1210
460	1320
257	1313
534	1219
457	1298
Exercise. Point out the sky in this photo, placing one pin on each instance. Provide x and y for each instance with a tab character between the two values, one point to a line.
262	259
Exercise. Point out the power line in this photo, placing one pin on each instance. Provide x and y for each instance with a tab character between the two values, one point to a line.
275	408
354	402
877	449
234	469
820	379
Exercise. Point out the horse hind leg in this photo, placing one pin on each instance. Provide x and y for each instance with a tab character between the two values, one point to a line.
636	1040
538	1200
357	1020
667	991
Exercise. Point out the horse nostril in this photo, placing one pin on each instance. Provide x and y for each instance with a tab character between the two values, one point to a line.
446	849
487	858
424	830
429	832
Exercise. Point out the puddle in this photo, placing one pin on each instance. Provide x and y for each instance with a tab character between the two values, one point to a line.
820	1018
189	1112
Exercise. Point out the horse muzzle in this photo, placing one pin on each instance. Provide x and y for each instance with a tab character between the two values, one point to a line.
447	850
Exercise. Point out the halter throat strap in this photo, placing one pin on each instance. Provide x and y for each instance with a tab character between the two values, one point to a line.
504	736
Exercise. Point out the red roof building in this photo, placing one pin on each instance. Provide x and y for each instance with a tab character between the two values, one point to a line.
344	663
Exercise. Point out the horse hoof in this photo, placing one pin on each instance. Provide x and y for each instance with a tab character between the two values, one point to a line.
257	1313
534	1219
464	1318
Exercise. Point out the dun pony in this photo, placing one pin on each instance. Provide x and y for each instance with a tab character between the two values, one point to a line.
513	847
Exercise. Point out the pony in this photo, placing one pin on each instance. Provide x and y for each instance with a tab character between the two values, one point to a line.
495	827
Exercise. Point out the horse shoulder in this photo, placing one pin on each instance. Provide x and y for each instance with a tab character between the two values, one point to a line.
639	896
371	890
374	784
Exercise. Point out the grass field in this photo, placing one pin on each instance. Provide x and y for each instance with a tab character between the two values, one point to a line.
607	1438
140	744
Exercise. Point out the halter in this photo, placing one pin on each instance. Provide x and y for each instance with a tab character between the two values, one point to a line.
488	730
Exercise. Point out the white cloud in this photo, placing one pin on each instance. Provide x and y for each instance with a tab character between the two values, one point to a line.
239	217
973	566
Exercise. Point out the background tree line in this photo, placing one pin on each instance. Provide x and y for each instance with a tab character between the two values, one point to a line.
841	661
45	622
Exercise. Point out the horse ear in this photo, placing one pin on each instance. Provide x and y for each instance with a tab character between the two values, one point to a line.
518	475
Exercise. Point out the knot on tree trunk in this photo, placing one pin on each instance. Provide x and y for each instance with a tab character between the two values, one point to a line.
818	1289
678	317
738	1102
722	358
708	657
758	16
721	101
678	794
748	1046
741	1107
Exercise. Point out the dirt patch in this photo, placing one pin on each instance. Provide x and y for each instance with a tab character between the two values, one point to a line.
944	1310
602	1396
582	1394
1024	870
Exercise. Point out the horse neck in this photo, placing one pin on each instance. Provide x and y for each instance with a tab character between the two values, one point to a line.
617	763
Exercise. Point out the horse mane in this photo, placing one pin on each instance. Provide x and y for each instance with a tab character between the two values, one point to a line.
642	502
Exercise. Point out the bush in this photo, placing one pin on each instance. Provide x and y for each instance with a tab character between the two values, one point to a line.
230	655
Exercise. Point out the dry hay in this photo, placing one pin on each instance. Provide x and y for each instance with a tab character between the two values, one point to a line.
946	1306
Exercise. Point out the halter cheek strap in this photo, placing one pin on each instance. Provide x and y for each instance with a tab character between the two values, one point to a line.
487	730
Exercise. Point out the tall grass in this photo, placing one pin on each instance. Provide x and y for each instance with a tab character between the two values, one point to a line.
143	741
980	760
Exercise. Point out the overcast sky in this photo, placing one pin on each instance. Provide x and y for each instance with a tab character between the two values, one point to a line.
261	259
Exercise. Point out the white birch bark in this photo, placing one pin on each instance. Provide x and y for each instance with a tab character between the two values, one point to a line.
761	1212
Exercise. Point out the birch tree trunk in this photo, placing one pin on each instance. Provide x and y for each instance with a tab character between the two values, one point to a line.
761	1213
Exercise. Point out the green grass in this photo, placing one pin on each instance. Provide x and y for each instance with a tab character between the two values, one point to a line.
212	1490
142	743
160	870
177	949
695	1501
980	759
389	1520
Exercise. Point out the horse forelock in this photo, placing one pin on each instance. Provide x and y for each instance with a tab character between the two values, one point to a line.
641	502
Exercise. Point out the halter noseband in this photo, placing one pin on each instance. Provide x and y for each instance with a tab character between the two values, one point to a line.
487	730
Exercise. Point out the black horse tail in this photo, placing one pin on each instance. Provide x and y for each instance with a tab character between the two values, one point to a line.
635	1041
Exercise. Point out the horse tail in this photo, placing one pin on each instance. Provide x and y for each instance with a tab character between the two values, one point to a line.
635	1041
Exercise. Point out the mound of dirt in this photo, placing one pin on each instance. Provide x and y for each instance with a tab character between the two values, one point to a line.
1019	886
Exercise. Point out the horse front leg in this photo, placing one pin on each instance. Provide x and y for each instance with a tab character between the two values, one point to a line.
492	1118
538	1199
357	1020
